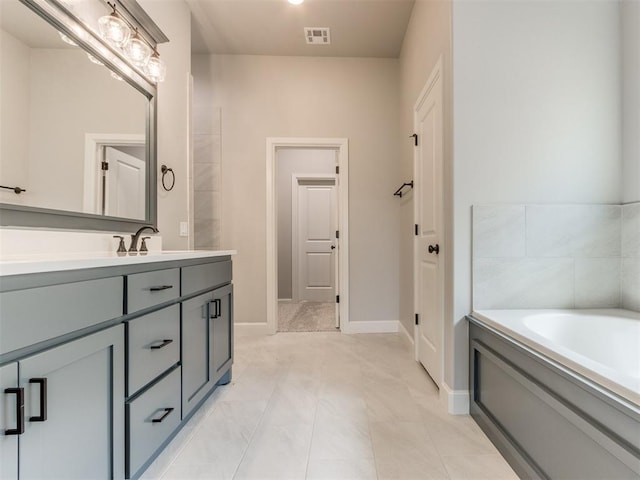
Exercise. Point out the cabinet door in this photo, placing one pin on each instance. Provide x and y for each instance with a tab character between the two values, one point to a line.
221	313
74	410
10	416
195	351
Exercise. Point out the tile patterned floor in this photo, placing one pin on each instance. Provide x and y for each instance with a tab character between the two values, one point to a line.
306	317
328	406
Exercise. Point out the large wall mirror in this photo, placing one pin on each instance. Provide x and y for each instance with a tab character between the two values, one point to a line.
77	125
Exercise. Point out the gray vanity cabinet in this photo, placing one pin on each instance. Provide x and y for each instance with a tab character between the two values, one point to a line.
101	367
73	413
207	344
195	351
10	401
221	331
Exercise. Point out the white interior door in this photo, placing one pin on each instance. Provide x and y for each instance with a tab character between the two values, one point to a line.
429	285
316	221
124	185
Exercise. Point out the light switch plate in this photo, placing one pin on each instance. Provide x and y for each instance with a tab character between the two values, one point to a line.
184	229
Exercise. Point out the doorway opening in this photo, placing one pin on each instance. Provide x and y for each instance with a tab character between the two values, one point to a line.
115	175
307	235
307	225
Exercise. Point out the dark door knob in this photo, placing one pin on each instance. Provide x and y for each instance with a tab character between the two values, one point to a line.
434	249
333	247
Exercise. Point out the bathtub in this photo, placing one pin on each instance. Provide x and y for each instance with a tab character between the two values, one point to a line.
602	345
558	391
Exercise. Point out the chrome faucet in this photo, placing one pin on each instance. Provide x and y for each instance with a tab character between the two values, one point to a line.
133	248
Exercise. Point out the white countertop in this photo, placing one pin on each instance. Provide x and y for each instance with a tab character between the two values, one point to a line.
41	263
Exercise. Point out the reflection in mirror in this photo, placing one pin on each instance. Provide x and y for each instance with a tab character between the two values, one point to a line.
72	134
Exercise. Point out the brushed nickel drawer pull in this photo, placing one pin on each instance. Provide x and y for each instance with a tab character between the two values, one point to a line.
164	343
160	288
167	411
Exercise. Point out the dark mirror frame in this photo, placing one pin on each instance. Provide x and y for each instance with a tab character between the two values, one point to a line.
65	21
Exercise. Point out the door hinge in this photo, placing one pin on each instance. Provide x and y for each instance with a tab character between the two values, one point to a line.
337	233
415	139
337	169
417	319
104	166
416	230
337	298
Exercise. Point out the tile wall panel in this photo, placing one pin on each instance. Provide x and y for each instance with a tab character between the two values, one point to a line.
556	256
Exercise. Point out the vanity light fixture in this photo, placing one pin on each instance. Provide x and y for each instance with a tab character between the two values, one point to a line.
155	68
114	29
119	32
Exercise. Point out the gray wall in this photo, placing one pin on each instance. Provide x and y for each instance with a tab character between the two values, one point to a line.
537	119
174	18
288	162
354	98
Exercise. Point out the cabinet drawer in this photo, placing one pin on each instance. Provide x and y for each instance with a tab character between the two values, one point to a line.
37	314
153	346
202	277
152	417
152	288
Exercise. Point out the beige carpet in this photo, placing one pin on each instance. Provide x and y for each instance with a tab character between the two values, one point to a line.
306	317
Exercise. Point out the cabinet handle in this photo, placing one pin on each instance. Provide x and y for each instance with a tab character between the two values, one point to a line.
160	288
161	345
167	411
43	400
217	308
19	392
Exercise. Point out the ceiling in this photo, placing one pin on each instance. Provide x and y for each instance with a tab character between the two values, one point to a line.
359	28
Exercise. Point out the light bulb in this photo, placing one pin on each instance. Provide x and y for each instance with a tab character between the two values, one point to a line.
295	2
137	51
114	30
156	69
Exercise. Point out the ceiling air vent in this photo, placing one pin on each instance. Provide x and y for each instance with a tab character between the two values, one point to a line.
317	35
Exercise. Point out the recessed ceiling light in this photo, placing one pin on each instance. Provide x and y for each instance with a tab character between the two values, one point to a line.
295	2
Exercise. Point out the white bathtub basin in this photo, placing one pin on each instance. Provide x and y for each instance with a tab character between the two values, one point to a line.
602	345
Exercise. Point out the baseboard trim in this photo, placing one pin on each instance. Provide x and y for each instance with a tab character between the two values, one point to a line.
285	300
248	329
456	402
383	326
405	335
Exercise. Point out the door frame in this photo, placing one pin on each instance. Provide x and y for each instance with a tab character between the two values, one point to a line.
295	182
341	145
436	74
93	142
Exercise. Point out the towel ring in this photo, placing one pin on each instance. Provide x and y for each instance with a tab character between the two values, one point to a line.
164	169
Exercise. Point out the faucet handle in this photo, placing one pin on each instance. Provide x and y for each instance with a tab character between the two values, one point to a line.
143	248
121	248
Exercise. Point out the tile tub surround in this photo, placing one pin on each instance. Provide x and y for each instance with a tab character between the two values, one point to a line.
328	406
556	256
207	154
